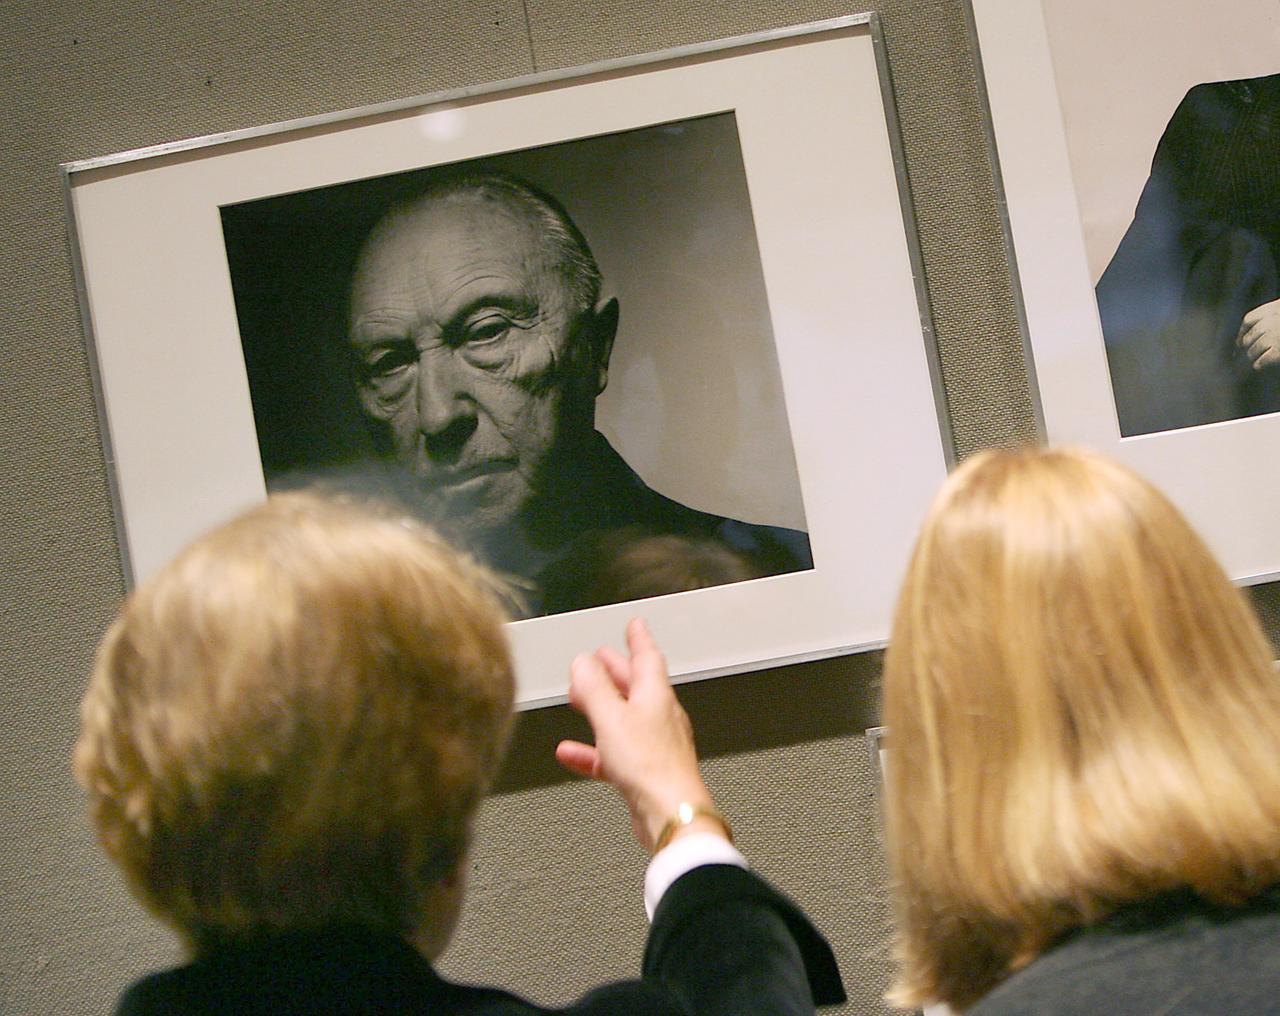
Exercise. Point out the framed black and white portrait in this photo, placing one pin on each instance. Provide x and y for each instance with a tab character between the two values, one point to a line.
1136	149
645	337
665	215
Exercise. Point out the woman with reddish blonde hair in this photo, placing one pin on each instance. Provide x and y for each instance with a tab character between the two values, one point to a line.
1084	760
285	739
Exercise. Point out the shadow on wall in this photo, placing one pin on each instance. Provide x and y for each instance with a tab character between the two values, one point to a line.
804	702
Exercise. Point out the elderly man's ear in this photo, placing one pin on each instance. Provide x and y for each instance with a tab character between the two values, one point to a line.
602	329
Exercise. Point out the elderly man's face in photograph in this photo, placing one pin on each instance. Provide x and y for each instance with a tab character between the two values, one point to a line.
471	352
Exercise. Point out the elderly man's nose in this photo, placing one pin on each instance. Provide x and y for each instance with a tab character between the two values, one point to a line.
443	399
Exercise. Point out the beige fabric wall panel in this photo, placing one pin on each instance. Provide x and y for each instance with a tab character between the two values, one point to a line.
566	920
961	237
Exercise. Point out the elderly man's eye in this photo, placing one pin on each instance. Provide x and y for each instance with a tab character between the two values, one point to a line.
388	360
488	329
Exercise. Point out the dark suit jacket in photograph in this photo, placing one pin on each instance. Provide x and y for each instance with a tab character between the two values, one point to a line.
1202	251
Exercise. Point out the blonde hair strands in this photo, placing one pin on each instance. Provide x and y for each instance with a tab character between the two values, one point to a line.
291	725
1082	712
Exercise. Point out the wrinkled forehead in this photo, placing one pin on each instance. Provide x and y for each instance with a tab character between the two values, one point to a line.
459	232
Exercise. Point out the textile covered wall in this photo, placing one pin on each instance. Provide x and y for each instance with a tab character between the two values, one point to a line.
555	903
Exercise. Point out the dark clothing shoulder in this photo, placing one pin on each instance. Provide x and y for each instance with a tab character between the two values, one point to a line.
722	943
1175	955
1219	152
626	541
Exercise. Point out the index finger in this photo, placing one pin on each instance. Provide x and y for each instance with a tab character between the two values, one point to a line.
617	666
639	637
647	661
591	689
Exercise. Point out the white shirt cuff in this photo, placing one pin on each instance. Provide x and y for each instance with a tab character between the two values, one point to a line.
682	856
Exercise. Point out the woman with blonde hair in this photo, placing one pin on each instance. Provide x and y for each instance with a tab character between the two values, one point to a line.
285	739
1084	760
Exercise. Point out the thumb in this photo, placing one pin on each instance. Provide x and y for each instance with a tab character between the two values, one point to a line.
579	758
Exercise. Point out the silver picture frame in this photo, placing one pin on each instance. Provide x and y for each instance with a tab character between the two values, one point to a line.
859	383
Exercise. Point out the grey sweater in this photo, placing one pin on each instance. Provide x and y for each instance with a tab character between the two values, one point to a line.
1173	955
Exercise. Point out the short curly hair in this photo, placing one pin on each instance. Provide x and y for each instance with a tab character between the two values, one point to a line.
291	725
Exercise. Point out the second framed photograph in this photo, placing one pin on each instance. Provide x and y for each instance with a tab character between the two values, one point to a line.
1136	146
645	331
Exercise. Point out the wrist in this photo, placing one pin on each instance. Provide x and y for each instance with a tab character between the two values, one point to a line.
690	817
657	808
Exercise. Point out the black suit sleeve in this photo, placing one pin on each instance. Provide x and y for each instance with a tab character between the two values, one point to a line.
725	943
